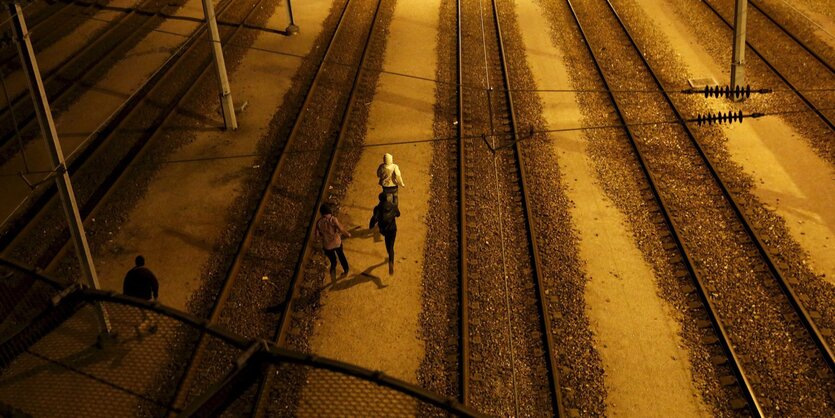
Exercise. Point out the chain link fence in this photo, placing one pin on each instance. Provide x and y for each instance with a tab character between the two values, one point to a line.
53	362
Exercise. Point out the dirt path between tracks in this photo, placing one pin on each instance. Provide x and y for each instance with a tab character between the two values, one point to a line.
370	318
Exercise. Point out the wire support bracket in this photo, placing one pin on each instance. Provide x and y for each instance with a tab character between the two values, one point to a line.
58	171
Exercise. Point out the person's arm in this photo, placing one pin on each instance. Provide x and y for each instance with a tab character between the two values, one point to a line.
155	286
339	227
398	176
125	283
396	212
319	238
342	229
380	173
373	218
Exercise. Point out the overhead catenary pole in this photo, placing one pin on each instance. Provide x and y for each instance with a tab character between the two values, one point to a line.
226	104
50	136
292	28
738	60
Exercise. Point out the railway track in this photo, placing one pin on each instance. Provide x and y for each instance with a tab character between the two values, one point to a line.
292	164
788	33
45	228
66	80
505	324
731	308
282	335
816	73
97	170
46	22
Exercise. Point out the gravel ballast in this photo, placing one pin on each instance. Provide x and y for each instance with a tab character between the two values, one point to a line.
746	303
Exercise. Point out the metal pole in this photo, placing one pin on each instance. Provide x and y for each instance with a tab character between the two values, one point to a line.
220	65
50	136
738	60
292	29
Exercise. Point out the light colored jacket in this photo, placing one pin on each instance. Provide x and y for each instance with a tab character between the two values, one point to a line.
389	173
330	231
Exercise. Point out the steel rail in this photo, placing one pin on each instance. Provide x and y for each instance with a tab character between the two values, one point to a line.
792	36
718	327
115	121
54	76
545	319
541	293
286	318
463	293
803	314
465	305
243	247
780	75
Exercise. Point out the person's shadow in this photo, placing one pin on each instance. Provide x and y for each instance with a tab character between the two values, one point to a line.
358	232
363	277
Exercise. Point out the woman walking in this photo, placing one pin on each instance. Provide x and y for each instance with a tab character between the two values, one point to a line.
330	231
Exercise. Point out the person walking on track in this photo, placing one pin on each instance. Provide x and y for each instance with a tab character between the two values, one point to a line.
330	231
141	283
385	216
389	177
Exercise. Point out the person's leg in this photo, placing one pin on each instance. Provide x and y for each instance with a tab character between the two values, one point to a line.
150	324
146	324
391	194
342	260
143	319
390	244
394	199
390	249
331	254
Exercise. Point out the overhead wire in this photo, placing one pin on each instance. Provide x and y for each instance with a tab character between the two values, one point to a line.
442	139
406	75
529	132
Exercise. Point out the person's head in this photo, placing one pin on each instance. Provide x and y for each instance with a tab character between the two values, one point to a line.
140	261
388	159
382	197
325	209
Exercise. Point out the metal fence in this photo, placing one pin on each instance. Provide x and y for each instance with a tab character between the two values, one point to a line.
54	363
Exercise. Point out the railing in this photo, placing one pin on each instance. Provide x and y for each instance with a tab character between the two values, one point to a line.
53	362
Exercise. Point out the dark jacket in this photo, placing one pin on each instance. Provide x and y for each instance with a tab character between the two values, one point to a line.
141	283
385	214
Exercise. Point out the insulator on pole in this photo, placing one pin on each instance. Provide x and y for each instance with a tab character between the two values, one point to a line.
720	118
727	91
